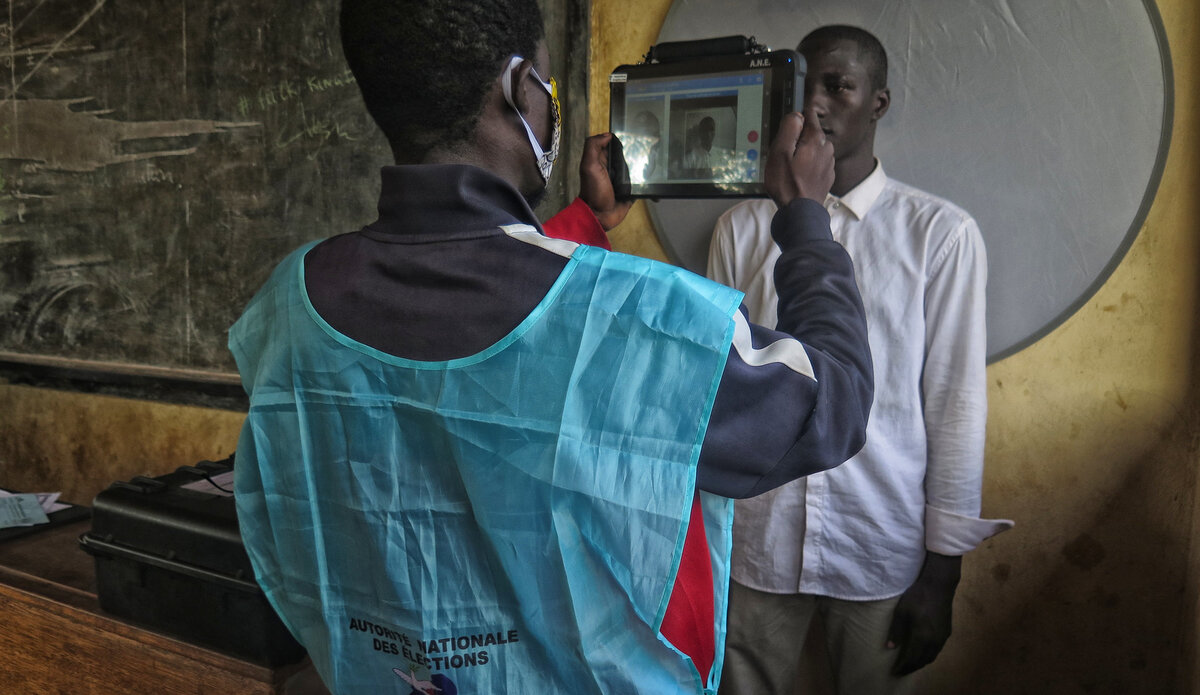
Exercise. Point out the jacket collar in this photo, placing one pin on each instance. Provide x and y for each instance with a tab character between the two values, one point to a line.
442	200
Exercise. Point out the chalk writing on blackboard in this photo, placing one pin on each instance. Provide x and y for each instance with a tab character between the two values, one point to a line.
54	134
156	159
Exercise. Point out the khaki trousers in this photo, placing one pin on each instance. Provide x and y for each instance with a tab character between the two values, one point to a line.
767	636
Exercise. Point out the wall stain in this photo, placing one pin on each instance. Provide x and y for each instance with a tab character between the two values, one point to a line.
1126	299
1104	599
1084	552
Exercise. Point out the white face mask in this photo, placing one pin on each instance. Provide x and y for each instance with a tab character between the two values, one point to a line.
545	160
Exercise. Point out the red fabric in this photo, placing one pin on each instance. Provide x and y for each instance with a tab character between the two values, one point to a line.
689	623
577	223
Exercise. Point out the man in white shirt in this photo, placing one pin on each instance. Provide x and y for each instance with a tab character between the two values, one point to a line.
873	547
700	143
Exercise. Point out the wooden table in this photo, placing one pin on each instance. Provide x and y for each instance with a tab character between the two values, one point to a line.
56	640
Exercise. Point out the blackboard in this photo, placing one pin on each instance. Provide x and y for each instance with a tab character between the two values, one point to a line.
157	158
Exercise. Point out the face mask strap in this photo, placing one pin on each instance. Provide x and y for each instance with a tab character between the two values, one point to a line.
545	160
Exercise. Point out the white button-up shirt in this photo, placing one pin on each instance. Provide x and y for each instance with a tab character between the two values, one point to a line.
860	531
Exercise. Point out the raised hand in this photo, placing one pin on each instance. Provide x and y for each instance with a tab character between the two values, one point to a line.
800	162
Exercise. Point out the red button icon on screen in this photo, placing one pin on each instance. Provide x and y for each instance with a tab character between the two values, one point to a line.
752	136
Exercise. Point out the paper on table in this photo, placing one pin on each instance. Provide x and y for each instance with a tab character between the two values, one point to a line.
21	510
220	485
48	501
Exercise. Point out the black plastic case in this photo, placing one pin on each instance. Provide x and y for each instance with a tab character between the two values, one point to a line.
168	555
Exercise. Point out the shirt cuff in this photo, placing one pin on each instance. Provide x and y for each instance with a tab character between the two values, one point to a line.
948	533
800	221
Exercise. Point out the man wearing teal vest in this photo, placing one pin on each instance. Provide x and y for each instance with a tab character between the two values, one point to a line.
479	459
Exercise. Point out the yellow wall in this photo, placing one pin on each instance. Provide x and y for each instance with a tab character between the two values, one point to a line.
77	444
1093	442
1092	445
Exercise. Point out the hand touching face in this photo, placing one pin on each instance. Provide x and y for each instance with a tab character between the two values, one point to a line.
838	87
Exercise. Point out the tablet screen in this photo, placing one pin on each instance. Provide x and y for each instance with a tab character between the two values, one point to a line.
699	133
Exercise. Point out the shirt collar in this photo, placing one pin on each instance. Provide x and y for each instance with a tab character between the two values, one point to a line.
858	200
437	199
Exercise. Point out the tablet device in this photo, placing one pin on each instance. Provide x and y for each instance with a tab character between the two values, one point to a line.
699	128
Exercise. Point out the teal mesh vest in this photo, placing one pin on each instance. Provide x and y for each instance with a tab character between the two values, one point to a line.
509	522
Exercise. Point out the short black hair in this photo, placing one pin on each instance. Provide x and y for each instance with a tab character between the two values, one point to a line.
424	66
869	48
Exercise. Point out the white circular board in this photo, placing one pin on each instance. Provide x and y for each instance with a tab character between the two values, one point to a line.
1049	122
